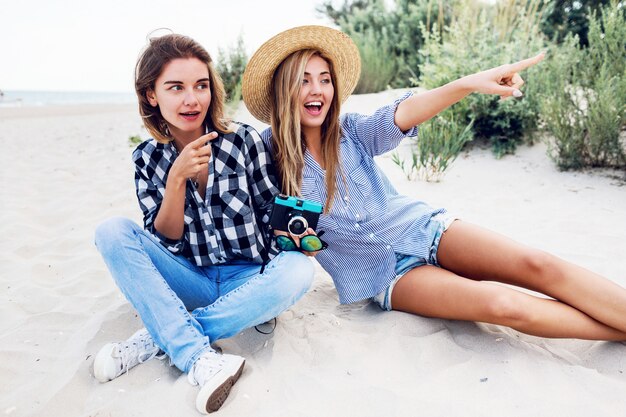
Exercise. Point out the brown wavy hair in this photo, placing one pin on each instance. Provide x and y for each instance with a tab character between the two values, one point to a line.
159	52
288	142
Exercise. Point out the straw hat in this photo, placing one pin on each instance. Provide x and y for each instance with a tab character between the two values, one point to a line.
257	78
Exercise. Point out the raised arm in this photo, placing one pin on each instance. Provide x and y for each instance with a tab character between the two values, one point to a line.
192	161
504	81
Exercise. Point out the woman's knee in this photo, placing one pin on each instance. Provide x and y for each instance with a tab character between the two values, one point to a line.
112	231
507	309
543	267
296	271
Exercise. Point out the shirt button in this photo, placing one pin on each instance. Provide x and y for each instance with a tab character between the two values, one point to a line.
357	216
356	225
388	246
371	235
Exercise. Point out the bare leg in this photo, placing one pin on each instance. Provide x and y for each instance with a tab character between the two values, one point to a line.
479	254
435	292
587	306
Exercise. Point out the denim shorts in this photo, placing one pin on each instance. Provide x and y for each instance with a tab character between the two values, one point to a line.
404	263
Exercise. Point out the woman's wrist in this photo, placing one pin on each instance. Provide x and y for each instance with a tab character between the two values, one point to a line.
464	85
175	181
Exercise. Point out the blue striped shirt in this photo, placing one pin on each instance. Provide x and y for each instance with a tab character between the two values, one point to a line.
369	222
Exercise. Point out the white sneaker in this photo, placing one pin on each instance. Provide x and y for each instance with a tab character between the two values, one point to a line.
116	358
216	374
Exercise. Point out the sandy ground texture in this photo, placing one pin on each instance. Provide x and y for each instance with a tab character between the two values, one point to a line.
64	170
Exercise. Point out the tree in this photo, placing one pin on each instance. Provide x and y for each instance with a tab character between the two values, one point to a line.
570	16
397	33
230	66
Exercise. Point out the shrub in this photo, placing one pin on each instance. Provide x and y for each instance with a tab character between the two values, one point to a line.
584	105
134	140
377	70
231	65
440	141
479	38
562	17
391	36
561	107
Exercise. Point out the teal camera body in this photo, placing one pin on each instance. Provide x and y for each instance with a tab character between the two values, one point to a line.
294	215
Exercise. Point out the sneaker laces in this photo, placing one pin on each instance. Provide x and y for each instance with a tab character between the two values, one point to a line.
205	367
139	348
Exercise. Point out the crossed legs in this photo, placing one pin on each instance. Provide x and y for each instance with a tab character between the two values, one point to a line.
582	304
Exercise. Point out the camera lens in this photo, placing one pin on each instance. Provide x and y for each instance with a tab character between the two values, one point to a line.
297	225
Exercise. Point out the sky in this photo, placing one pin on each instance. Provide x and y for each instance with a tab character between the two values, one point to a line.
89	45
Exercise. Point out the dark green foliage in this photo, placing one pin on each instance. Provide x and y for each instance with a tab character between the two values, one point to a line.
562	17
396	34
499	122
577	95
377	70
440	141
406	18
230	66
348	8
480	38
585	109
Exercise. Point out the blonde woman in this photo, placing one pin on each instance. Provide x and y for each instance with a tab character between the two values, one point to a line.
399	252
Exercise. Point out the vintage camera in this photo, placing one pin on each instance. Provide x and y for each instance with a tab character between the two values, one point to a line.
294	215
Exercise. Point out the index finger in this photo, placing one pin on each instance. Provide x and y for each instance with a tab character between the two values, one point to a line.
528	62
202	140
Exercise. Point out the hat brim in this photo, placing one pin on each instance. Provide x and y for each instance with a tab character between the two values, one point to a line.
336	45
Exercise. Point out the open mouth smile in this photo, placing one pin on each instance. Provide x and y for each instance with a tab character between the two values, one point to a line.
314	108
190	116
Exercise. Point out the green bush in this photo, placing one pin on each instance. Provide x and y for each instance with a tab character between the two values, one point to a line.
440	141
388	35
377	70
584	105
134	140
231	65
562	17
482	37
561	107
577	95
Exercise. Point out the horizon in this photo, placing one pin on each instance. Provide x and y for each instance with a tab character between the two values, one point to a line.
70	47
23	90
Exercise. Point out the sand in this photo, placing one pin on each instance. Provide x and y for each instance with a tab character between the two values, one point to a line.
65	169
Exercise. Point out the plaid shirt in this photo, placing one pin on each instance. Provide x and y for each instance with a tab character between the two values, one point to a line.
232	221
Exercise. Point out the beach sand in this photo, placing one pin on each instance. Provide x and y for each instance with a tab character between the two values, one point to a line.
65	169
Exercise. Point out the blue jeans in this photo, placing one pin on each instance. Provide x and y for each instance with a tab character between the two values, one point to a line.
186	307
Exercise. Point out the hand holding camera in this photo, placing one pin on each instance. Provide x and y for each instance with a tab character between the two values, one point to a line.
297	218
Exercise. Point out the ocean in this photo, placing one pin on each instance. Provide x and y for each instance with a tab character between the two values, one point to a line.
14	98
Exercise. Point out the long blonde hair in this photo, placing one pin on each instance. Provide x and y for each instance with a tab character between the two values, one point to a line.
288	141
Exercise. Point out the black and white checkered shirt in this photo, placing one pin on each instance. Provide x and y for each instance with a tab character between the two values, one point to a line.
231	222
